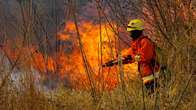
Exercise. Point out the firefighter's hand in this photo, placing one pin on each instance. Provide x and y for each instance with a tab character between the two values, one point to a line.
137	58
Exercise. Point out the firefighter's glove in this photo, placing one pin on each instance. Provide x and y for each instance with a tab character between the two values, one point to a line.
137	58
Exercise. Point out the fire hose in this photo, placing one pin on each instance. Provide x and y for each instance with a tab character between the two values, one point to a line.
125	60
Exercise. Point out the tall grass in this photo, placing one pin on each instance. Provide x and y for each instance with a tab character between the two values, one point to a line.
175	28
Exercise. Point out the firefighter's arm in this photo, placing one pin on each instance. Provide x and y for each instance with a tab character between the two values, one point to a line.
146	50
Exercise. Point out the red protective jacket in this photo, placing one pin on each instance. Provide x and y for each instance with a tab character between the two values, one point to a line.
146	49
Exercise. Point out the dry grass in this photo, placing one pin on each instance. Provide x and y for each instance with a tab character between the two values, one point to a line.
176	91
28	97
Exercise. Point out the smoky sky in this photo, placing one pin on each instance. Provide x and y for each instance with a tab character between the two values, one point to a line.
48	15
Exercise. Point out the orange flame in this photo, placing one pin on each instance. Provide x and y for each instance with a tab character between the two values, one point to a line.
68	63
97	46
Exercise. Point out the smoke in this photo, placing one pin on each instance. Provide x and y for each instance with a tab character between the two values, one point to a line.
58	55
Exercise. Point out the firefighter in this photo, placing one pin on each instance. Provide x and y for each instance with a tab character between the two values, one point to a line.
142	50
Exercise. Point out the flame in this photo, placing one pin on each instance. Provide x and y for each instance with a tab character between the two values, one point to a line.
68	62
99	47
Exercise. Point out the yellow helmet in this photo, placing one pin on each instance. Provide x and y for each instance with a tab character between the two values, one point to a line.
135	24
